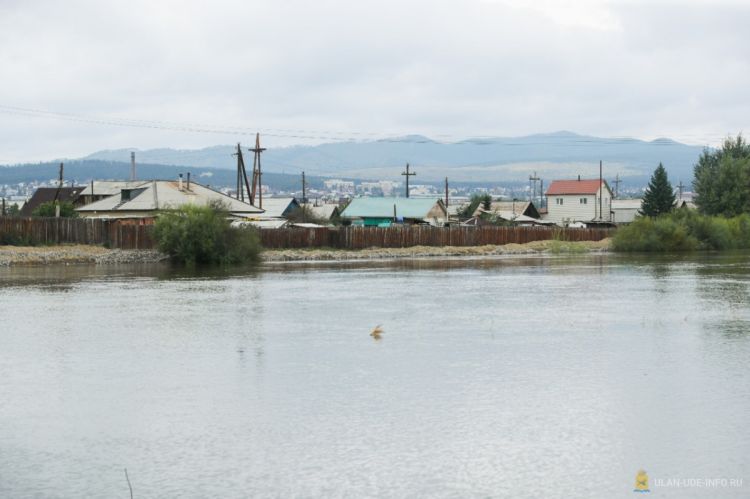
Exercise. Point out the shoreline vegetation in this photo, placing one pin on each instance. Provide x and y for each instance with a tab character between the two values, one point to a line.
83	254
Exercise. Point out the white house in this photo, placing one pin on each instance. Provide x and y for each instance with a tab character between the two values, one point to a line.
579	200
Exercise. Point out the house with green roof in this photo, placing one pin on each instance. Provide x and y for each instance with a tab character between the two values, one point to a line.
382	212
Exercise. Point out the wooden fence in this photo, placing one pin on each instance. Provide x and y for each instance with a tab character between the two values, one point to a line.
113	233
134	235
420	235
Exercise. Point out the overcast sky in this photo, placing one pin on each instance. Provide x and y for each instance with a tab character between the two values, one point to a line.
304	71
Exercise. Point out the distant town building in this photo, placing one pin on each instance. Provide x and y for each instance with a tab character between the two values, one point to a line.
339	186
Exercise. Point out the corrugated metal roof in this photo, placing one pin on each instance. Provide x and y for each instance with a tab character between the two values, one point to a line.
278	207
383	207
164	195
562	187
520	207
111	187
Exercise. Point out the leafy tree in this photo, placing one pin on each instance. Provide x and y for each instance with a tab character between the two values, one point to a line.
659	197
722	179
12	210
67	210
476	199
204	235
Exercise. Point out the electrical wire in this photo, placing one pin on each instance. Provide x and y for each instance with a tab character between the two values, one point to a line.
349	136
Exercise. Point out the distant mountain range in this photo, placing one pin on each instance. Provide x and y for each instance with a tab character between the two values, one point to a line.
551	156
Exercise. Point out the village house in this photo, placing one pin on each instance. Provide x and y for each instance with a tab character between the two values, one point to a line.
145	199
48	194
382	212
587	200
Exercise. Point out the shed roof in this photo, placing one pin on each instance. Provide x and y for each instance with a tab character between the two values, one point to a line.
520	207
278	207
383	207
323	211
586	186
46	194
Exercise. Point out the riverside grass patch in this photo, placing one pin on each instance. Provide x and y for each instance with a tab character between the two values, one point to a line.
683	230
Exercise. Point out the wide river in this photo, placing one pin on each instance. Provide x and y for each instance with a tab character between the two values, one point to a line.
506	377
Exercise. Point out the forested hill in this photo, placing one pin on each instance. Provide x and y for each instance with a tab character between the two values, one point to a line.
83	171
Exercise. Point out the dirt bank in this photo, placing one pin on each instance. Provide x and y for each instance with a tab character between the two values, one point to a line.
40	255
536	247
68	254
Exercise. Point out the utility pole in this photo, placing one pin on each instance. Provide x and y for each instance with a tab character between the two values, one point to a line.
617	181
446	194
532	181
679	188
57	192
600	190
257	174
541	193
242	175
304	189
407	175
132	165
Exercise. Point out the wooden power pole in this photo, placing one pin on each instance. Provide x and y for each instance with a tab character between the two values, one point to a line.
242	176
257	174
407	175
617	182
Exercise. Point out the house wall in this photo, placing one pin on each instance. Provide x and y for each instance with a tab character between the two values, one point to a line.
572	210
436	214
624	215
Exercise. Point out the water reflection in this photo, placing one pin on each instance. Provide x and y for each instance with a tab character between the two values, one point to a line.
509	376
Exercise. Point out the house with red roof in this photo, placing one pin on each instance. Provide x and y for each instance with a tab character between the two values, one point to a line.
582	200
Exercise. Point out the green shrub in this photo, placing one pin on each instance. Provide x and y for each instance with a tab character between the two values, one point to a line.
14	239
683	230
67	210
203	235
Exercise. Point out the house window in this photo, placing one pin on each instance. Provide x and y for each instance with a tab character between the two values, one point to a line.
559	201
583	200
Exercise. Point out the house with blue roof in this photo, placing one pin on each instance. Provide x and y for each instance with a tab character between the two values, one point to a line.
383	212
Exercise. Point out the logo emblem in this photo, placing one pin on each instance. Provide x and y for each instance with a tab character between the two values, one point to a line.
641	482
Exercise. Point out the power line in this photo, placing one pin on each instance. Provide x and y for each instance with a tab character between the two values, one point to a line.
336	136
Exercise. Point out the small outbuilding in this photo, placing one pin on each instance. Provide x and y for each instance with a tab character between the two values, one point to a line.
624	211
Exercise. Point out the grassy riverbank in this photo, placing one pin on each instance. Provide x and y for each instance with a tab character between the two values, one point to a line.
74	254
